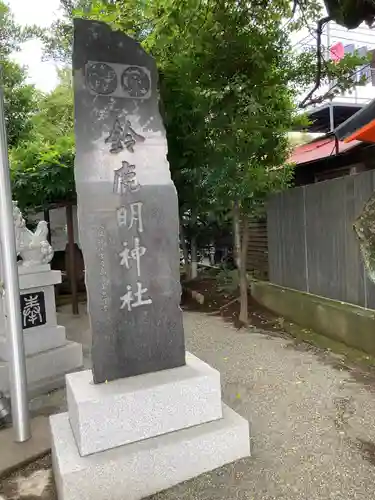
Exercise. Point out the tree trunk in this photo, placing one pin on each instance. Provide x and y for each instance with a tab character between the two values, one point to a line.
244	315
236	234
194	259
185	251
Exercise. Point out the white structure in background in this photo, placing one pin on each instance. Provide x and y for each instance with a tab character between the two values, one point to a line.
33	248
49	356
337	42
59	237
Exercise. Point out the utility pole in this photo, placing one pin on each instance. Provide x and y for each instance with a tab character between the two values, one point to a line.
331	112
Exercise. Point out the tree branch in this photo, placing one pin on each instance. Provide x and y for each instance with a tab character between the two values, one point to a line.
319	55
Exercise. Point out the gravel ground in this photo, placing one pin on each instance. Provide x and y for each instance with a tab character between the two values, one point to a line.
312	424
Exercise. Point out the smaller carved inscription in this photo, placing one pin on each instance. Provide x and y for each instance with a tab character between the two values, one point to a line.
101	78
101	250
135	81
33	310
118	80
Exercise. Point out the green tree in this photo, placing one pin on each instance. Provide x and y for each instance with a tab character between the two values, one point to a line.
42	172
228	87
58	39
11	34
20	98
243	68
141	19
55	116
42	167
20	101
228	104
184	114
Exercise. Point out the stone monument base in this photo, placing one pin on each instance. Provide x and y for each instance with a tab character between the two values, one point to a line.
140	469
141	407
46	370
110	445
49	355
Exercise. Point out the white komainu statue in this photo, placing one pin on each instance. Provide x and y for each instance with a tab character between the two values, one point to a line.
33	248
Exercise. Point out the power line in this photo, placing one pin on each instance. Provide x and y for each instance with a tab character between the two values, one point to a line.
352	35
351	39
311	43
307	45
361	31
355	32
302	40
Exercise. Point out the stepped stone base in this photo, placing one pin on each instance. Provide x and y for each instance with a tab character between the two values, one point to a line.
43	338
46	370
141	407
132	437
140	469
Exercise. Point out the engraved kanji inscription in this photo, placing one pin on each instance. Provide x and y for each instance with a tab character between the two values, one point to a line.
132	299
123	136
33	310
132	219
134	254
125	179
101	252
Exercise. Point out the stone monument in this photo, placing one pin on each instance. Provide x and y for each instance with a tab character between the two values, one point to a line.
148	415
49	356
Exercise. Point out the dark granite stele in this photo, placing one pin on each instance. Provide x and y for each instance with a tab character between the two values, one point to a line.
133	298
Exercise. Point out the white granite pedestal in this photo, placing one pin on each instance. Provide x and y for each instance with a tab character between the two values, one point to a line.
133	437
49	356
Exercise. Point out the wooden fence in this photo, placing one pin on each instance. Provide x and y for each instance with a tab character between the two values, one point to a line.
311	242
257	255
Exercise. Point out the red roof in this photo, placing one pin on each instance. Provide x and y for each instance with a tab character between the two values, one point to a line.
319	149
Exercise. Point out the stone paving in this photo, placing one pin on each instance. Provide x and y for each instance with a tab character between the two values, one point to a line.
312	424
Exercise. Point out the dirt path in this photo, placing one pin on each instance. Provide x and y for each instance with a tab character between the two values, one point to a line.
312	424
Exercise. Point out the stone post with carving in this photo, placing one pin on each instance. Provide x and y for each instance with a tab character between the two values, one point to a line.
49	355
148	415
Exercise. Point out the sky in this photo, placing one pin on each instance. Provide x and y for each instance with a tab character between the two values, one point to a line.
42	13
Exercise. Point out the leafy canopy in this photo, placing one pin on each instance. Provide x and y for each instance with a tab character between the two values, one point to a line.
225	70
20	98
42	173
42	167
229	80
39	127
